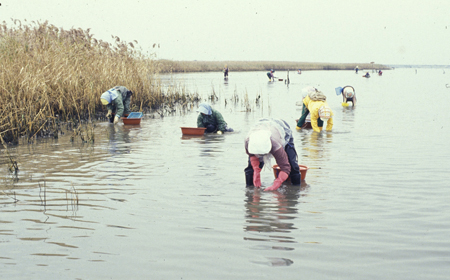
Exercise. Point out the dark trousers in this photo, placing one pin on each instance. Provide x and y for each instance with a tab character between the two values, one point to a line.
293	161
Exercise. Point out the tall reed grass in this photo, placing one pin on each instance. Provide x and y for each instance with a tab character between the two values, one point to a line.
50	75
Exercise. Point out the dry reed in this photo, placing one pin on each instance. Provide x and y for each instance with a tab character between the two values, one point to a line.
50	75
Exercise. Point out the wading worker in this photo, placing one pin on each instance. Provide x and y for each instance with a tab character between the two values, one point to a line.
348	94
316	105
117	101
211	119
271	138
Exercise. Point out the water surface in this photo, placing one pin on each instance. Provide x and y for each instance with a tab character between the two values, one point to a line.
145	202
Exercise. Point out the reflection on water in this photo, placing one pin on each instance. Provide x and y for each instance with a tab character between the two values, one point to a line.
169	206
270	219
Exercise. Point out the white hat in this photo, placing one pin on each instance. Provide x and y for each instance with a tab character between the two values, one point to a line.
205	109
349	92
259	142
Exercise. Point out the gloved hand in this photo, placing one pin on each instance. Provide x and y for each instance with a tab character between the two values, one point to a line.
109	114
219	132
298	128
282	176
116	119
254	161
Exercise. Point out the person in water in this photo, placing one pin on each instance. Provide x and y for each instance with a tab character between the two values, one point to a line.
225	72
315	104
270	75
348	95
117	101
266	139
211	119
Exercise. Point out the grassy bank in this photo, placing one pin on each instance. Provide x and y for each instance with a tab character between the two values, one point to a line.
50	75
169	66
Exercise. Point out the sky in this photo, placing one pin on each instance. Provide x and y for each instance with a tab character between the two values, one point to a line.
344	31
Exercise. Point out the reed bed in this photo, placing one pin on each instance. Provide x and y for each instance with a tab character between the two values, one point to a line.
50	75
169	66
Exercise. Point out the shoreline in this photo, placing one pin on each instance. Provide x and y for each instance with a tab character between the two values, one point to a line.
174	66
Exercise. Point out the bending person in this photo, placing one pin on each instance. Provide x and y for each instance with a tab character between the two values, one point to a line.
117	101
211	119
348	94
271	138
316	105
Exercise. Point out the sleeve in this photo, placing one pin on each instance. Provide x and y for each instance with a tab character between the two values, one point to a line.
200	120
330	123
221	124
282	160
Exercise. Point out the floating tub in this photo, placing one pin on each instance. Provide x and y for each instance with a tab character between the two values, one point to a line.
133	118
193	130
303	170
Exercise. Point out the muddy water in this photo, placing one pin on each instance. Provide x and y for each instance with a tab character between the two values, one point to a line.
145	202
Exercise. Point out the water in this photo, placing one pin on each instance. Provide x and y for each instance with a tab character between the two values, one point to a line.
145	202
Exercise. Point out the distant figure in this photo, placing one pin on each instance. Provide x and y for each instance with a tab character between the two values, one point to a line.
299	71
117	101
367	75
211	119
225	72
316	105
271	138
348	94
270	75
356	69
380	73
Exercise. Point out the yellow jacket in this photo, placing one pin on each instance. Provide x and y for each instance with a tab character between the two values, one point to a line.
313	107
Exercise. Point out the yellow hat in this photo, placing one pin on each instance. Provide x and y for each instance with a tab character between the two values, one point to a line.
104	101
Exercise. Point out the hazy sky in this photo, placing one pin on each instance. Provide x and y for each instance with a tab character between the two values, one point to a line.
383	31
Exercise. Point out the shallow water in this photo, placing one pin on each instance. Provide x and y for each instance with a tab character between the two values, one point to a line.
145	202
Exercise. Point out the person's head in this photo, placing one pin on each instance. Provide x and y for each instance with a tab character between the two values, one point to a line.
107	97
349	92
324	113
204	109
308	90
259	142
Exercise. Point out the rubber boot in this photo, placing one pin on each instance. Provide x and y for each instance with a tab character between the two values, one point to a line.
249	179
295	179
292	157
